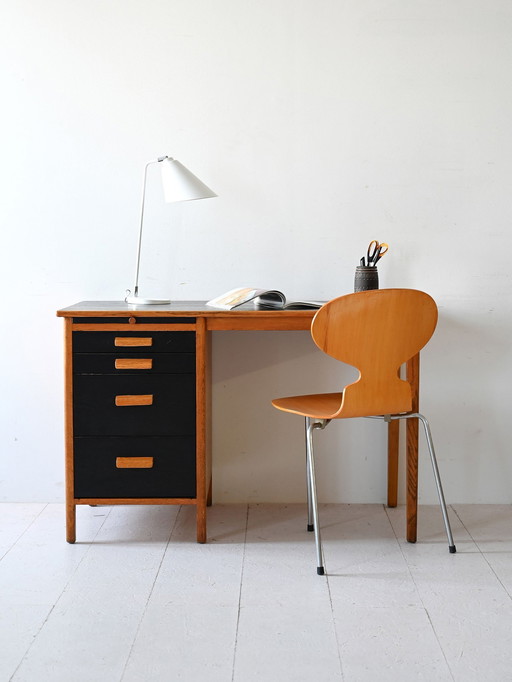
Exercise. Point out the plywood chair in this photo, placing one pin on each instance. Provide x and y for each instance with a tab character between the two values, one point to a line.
376	332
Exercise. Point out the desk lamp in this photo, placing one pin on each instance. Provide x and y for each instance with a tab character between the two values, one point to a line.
179	184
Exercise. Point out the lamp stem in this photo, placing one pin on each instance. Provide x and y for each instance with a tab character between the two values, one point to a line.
136	288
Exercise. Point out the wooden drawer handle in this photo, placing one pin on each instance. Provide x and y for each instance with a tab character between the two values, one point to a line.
133	363
133	341
124	400
134	462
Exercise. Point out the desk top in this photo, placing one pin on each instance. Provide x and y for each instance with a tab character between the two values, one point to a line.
243	318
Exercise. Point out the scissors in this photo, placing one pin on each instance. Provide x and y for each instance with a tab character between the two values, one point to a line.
375	252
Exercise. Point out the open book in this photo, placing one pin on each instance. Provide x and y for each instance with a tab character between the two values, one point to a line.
267	299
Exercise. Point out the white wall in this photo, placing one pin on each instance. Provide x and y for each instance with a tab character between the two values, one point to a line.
321	125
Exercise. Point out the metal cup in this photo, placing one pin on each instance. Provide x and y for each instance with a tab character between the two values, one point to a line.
366	277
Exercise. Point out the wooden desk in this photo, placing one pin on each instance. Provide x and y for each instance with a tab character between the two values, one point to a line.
114	320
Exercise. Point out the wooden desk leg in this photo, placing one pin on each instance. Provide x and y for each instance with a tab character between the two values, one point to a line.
201	521
393	440
203	456
70	522
413	376
68	433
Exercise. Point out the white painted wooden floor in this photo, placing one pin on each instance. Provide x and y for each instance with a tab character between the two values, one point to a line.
137	600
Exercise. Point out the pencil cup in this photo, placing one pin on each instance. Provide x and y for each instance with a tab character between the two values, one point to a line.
367	277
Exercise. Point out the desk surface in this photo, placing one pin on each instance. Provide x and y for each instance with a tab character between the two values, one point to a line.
243	318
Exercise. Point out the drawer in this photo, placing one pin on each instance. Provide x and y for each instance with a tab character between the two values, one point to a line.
135	342
130	405
135	363
134	467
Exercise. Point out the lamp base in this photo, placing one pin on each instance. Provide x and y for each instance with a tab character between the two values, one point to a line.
135	300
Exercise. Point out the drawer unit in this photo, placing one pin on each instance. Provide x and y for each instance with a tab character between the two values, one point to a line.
134	342
157	405
134	414
134	467
134	363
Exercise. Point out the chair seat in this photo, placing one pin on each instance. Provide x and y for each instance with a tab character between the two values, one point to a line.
319	406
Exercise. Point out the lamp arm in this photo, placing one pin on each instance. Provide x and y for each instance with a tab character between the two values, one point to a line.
136	288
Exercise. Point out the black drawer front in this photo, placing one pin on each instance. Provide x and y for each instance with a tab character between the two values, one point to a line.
134	363
172	412
172	474
154	342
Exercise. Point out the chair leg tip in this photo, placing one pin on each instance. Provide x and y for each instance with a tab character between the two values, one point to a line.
452	549
320	570
311	527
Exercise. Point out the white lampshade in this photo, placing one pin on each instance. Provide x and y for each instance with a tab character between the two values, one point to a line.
180	184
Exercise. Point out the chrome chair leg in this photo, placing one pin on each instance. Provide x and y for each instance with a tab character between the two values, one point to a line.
430	443
310	426
310	526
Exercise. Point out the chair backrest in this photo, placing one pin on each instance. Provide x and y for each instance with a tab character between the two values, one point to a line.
375	331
